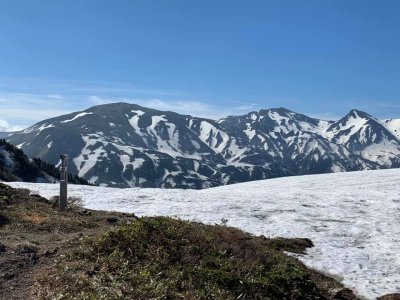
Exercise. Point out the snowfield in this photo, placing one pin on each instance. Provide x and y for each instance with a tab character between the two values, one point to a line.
352	218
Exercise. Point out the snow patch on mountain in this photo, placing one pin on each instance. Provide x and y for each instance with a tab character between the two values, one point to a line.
37	129
382	153
213	137
77	117
134	120
89	155
393	126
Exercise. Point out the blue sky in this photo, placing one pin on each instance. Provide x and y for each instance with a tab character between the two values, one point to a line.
207	58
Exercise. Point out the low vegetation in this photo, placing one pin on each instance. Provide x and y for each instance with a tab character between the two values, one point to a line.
85	254
162	258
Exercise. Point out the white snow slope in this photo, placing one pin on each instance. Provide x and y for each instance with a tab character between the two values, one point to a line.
352	218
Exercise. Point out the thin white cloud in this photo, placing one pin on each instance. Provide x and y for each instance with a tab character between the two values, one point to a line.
325	116
184	107
84	87
29	114
25	109
95	100
55	96
7	127
246	107
187	107
22	110
122	90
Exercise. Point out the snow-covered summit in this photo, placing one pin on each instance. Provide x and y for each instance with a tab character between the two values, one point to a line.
367	137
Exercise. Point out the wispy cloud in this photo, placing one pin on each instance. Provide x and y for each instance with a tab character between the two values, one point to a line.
7	127
55	96
24	102
129	90
96	100
327	116
247	107
189	107
19	110
83	87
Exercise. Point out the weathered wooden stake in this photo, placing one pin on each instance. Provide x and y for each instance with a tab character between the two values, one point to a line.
63	183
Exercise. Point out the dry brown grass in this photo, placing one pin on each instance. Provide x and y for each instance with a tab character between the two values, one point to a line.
35	218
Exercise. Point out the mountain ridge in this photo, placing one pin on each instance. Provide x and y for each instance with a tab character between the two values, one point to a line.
16	166
127	145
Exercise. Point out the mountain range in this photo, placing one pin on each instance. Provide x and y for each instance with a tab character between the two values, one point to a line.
126	145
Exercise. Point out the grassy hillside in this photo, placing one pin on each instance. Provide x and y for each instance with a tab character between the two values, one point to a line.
84	254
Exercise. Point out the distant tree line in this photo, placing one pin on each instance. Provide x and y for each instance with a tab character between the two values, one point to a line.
54	172
29	170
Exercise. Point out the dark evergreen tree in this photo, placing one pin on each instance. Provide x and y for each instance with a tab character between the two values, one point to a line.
22	168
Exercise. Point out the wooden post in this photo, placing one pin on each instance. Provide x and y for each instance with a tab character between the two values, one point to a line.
63	183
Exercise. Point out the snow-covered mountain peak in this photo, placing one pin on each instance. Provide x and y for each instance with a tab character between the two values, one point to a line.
358	114
358	123
354	118
122	144
364	135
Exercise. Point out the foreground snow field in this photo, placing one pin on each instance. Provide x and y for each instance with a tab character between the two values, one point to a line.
352	218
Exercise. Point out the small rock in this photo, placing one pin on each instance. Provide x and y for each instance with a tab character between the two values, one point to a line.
85	212
3	220
27	249
132	215
48	253
342	294
90	273
8	275
129	216
112	220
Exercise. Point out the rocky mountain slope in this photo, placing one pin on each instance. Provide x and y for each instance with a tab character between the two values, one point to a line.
126	145
16	166
4	134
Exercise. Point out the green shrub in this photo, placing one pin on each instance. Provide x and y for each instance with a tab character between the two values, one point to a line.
162	258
